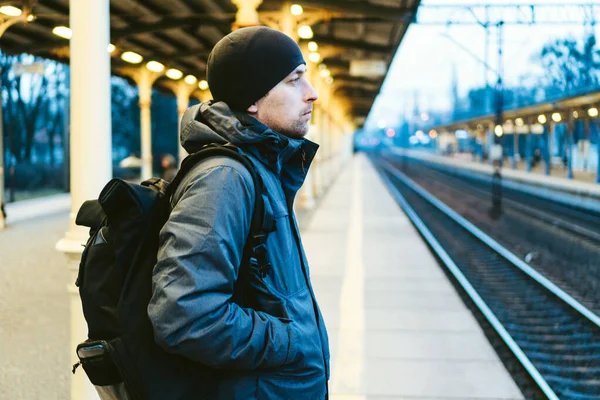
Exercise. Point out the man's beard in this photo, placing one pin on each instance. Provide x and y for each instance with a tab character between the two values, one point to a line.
298	130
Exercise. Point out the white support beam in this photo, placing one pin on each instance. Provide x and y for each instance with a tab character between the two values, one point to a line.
90	154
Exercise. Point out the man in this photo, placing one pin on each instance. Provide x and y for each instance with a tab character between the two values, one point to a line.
276	346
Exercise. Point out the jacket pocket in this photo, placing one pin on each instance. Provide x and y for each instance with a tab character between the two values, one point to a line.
264	299
286	277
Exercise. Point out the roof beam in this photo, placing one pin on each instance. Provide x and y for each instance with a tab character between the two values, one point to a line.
352	44
357	92
169	23
397	14
356	79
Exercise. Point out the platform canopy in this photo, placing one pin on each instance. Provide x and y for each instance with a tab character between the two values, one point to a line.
356	38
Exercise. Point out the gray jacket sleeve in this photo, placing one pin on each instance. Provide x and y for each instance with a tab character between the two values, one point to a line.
199	255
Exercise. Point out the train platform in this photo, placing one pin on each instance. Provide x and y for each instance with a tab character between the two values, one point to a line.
581	191
398	330
397	327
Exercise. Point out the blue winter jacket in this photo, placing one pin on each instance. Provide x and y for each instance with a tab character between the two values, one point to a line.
276	347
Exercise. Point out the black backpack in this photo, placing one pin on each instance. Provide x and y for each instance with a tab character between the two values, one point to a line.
121	357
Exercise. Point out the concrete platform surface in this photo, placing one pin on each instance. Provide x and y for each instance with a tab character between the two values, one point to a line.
398	329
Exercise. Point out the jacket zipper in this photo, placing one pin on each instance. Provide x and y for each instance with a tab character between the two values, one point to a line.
303	161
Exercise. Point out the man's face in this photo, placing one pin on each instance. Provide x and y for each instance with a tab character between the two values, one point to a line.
287	108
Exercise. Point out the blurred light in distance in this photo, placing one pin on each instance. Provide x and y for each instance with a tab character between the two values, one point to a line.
10	11
314	57
461	134
62	31
425	117
390	133
425	139
155	66
313	46
190	80
593	112
433	134
131	57
542	119
519	122
556	117
203	85
296	9
305	32
575	114
111	48
325	73
498	130
174	73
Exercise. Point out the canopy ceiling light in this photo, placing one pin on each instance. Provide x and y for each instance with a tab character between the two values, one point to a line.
155	66
190	80
174	74
305	32
10	11
62	31
296	9
131	57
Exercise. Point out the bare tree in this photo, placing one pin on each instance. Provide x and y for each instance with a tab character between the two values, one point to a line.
571	66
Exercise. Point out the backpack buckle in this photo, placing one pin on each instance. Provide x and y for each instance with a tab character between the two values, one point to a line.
263	269
259	250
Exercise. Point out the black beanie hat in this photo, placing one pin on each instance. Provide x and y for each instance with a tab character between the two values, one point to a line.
246	64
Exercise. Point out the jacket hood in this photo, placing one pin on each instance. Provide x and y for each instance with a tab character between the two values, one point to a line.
215	122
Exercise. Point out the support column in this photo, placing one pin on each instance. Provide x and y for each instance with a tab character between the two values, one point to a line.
515	147
547	144
91	164
490	141
598	150
288	23
247	14
144	78
569	149
182	91
528	145
586	136
2	221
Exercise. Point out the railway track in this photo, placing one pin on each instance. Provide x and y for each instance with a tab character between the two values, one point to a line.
553	337
583	223
559	241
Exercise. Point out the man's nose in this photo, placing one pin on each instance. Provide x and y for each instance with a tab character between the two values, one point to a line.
311	94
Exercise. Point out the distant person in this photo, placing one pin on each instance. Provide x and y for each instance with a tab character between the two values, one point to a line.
537	157
271	343
168	167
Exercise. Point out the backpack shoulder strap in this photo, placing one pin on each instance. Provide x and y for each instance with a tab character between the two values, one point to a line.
263	220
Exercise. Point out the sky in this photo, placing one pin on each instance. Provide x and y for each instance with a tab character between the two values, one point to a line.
423	66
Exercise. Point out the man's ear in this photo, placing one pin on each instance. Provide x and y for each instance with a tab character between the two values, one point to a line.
253	109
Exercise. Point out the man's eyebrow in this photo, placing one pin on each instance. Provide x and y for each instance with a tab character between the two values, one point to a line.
297	72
